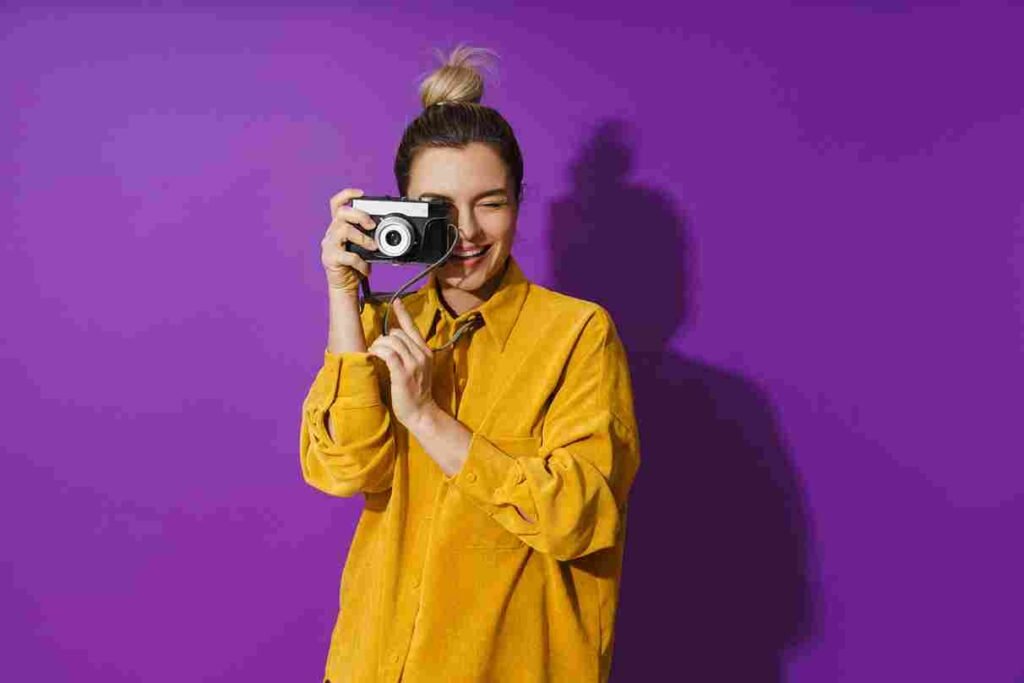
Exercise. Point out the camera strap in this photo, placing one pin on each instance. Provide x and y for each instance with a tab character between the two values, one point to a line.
368	295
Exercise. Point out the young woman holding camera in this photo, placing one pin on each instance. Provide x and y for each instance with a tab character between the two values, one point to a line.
491	433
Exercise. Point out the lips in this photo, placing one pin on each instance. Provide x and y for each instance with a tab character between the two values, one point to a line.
463	252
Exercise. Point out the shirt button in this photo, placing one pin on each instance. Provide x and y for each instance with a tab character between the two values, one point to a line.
394	659
471	476
416	582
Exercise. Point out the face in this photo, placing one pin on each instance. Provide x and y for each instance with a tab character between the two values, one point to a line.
476	182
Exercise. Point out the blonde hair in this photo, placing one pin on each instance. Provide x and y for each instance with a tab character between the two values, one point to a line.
458	79
452	116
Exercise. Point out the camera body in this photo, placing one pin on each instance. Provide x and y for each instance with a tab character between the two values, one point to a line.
407	230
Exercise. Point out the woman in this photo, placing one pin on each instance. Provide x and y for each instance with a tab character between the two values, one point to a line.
495	469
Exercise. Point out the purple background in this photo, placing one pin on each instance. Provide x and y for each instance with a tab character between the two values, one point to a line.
807	222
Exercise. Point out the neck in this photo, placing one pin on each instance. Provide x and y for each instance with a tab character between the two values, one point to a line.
458	301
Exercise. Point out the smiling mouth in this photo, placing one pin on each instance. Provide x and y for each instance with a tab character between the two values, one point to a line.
474	255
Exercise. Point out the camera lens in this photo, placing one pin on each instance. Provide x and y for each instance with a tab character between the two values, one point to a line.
394	236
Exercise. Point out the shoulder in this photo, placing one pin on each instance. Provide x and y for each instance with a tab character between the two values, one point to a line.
564	307
554	311
582	334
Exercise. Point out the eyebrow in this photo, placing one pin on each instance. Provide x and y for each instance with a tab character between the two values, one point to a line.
487	193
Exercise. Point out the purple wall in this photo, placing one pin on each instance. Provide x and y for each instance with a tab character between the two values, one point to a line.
808	224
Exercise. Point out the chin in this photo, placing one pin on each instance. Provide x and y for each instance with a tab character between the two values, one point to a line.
469	283
475	279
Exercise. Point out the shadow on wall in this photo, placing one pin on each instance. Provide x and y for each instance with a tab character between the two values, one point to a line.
715	576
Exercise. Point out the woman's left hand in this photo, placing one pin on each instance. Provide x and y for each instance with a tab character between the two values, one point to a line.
411	366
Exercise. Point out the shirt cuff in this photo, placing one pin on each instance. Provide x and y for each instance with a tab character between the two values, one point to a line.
488	468
347	380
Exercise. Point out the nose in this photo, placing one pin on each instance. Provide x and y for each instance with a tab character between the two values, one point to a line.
468	227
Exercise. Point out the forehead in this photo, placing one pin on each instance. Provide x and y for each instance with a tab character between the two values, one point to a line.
453	171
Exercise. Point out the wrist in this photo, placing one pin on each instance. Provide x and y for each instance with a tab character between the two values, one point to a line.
425	420
343	294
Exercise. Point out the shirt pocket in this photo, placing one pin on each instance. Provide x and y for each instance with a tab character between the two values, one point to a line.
472	527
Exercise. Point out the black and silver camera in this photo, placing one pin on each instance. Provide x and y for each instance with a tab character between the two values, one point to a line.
407	230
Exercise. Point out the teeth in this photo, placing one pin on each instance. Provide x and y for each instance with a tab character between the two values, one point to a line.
470	253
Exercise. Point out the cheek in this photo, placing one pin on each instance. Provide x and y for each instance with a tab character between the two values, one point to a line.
502	230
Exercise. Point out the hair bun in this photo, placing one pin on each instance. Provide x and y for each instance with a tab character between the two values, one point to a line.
458	78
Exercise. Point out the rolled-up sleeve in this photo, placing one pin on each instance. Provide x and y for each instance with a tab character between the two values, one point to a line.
568	498
347	390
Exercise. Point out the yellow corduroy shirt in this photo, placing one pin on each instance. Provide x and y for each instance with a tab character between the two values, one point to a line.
507	571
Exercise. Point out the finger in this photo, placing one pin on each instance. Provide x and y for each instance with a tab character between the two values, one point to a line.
341	257
354	217
414	350
335	256
351	233
340	233
408	325
390	358
411	354
351	225
343	197
392	352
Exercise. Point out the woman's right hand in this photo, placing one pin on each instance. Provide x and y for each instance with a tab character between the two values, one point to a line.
343	267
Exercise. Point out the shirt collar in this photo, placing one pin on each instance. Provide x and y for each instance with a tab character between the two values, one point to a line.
499	312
